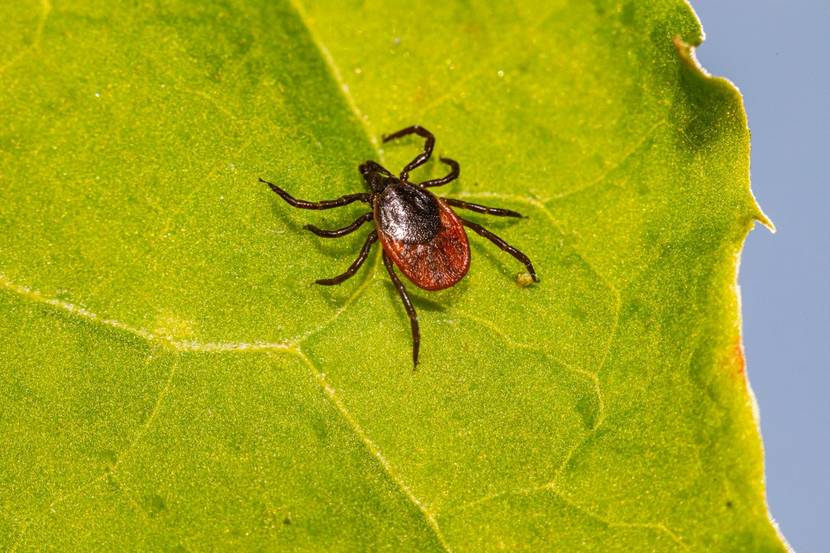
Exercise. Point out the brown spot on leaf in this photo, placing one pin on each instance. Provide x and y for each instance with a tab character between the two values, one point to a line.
737	361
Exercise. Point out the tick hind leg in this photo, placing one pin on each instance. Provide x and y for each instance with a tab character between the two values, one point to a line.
421	158
503	245
455	170
410	310
361	257
325	204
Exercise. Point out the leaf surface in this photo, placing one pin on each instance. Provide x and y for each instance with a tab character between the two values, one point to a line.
173	380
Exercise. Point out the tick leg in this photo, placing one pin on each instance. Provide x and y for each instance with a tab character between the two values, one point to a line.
361	257
455	170
482	208
421	158
325	204
503	245
410	310
341	231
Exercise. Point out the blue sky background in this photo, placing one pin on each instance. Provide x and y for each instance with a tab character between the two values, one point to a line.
778	53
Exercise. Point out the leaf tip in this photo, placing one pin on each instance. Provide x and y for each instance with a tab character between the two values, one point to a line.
762	218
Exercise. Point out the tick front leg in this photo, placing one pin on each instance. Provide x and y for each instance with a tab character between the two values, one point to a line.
503	245
341	231
421	158
455	170
410	310
482	208
325	204
361	257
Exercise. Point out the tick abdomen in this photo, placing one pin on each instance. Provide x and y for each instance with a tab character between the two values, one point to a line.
408	214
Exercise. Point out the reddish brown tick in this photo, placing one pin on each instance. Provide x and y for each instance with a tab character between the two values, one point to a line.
419	231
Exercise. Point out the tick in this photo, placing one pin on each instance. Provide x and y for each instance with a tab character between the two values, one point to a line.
419	232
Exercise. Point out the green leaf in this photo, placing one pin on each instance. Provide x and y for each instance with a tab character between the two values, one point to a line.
171	379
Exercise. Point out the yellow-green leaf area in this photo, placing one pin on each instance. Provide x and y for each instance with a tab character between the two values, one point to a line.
172	379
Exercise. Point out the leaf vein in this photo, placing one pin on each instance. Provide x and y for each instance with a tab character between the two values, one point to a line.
46	9
164	340
510	342
458	84
634	150
549	488
367	281
342	85
330	393
655	526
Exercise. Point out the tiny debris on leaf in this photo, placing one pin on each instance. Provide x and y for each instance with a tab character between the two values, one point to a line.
523	280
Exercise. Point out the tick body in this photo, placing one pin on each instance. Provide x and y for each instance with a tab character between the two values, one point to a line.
419	232
422	236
